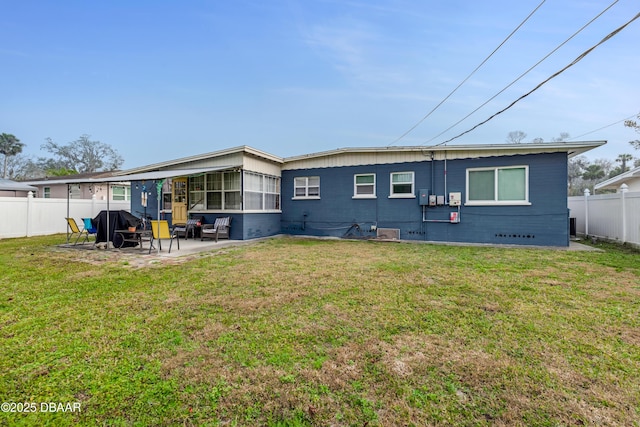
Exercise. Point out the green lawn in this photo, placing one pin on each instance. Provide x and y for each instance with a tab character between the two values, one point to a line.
294	332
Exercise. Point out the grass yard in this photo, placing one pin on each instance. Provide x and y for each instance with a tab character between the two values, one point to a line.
294	332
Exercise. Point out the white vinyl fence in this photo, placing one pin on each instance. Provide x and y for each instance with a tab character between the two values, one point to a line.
28	216
614	217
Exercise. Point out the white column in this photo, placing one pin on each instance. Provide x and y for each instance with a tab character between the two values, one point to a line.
586	211
623	191
29	211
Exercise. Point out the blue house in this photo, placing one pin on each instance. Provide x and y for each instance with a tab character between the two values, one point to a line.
505	193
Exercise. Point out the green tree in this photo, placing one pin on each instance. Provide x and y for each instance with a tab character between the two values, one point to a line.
82	156
9	146
623	159
593	172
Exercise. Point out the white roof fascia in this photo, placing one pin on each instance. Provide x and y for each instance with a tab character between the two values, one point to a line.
613	182
220	153
573	148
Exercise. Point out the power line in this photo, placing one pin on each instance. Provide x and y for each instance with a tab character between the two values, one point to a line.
525	73
604	127
557	73
467	78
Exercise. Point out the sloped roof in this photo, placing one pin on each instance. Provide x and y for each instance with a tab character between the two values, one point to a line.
618	180
9	185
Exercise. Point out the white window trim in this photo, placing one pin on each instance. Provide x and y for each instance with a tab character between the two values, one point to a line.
496	202
411	195
355	187
306	188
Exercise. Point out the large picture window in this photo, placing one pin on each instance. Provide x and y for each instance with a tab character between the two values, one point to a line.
306	187
402	184
499	185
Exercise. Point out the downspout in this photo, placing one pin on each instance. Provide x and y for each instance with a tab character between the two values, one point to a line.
445	175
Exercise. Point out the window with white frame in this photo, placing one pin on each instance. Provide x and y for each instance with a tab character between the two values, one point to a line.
121	192
306	187
196	193
46	193
223	191
498	186
261	192
402	185
364	186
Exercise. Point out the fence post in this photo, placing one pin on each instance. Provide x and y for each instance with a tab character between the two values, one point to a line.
93	206
29	211
623	191
586	212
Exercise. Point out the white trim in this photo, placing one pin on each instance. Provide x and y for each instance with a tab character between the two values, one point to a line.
306	188
497	202
356	186
410	195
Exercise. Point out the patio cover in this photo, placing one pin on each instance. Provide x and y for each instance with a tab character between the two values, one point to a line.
143	176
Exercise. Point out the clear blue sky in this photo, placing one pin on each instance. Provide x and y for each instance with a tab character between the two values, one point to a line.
158	80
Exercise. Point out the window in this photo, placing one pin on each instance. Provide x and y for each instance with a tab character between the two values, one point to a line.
121	192
261	192
364	186
306	187
75	192
223	191
46	192
402	185
196	192
500	185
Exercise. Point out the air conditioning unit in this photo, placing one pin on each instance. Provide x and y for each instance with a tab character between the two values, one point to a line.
388	233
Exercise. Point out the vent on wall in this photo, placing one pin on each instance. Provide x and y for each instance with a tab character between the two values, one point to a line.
515	236
388	233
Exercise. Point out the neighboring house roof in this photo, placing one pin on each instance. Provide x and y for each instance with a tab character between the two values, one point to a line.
9	185
615	182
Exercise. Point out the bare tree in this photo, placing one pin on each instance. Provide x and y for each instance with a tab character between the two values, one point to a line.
563	137
636	126
516	137
82	155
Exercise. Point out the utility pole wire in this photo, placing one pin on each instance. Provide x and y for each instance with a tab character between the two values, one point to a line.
604	127
557	73
467	78
523	74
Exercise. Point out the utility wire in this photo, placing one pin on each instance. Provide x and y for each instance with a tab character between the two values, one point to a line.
604	127
557	73
525	73
467	78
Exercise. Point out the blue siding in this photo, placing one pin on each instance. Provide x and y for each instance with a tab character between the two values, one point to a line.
542	223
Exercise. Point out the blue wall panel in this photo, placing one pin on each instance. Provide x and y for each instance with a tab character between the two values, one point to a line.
542	223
